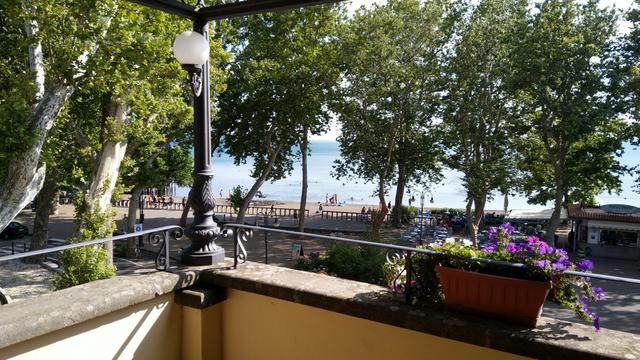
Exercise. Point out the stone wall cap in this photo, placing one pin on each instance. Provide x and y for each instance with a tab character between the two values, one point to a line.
551	339
29	318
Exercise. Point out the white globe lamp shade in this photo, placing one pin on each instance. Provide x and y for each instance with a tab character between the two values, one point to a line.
191	48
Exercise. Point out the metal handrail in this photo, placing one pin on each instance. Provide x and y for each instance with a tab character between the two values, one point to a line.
425	251
180	230
163	229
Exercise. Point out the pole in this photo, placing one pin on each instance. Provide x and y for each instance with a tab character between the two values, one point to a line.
204	230
266	247
141	206
421	215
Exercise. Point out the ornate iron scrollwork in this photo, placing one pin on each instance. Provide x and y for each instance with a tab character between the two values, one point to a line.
161	239
195	77
196	81
405	277
240	236
396	260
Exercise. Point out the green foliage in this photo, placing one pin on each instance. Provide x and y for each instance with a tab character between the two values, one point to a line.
96	224
625	75
543	263
66	30
16	86
359	263
408	213
83	265
572	137
392	58
442	211
280	82
87	263
313	263
166	165
480	110
236	199
356	263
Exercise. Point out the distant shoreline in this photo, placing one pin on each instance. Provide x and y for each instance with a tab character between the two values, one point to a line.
313	206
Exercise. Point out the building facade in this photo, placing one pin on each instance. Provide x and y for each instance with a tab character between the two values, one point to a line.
611	231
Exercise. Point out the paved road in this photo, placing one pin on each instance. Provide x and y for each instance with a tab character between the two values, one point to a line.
621	308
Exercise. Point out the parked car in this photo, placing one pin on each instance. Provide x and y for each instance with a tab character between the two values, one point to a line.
14	230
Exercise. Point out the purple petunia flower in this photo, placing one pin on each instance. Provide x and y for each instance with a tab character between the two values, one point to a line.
493	234
598	293
585	265
542	263
489	248
511	248
596	322
566	262
559	266
532	239
544	248
562	253
508	229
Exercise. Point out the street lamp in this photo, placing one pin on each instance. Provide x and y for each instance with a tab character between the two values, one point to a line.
191	49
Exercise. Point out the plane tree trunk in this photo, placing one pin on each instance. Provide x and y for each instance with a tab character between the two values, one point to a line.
98	196
46	201
305	181
397	207
256	185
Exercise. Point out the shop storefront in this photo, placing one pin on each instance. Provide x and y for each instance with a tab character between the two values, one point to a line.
611	231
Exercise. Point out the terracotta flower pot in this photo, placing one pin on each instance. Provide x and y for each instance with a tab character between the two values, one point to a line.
514	300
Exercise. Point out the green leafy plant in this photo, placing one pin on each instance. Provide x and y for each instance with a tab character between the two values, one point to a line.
365	264
237	197
83	265
87	263
314	263
356	263
542	263
408	213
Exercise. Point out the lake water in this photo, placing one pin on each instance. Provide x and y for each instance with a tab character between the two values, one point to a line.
449	193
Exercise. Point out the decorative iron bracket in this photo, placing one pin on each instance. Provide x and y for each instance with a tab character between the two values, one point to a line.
195	75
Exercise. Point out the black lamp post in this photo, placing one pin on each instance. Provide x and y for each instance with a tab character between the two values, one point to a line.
141	206
191	48
192	51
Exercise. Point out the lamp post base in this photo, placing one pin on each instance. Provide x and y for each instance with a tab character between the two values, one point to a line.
199	258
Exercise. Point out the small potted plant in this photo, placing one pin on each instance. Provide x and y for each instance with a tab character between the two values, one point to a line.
515	294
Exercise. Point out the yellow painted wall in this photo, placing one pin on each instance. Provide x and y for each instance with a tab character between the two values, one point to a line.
202	333
260	327
244	327
150	330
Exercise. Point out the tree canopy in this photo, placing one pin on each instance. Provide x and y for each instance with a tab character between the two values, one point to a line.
572	134
280	83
